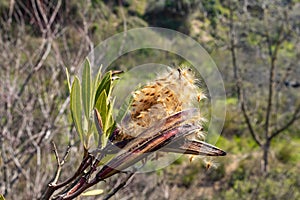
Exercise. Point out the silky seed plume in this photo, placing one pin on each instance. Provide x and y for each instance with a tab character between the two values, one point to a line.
168	94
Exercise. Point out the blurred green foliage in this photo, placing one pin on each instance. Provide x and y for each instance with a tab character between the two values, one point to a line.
238	175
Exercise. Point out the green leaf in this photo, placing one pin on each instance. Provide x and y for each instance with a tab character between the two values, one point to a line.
68	79
111	129
97	139
109	120
93	192
86	88
96	84
98	126
104	85
101	106
76	107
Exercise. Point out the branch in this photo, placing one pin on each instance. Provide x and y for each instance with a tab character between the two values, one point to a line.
170	129
294	118
119	187
239	81
42	11
248	122
52	186
62	162
232	48
37	16
11	9
54	14
273	57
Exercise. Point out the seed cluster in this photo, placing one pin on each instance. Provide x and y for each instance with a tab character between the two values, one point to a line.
170	93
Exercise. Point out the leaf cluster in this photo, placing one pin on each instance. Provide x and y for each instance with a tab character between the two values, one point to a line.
92	97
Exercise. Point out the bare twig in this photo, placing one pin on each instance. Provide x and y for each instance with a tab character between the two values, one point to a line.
120	186
248	122
54	14
273	57
293	119
52	186
239	86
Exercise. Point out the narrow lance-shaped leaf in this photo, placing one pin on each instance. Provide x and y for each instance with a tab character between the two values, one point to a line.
104	85
97	78
111	128
86	88
99	127
93	192
68	79
109	119
76	106
96	84
101	106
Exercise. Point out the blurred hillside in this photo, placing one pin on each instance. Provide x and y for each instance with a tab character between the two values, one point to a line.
255	44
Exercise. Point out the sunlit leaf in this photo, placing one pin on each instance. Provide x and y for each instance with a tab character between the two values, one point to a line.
86	88
111	128
93	192
99	126
101	106
68	79
104	85
97	78
76	107
109	116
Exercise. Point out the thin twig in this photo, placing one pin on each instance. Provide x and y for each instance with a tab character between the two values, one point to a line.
248	122
237	77
295	117
119	187
52	186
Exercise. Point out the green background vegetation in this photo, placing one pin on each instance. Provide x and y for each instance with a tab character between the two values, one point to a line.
37	44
